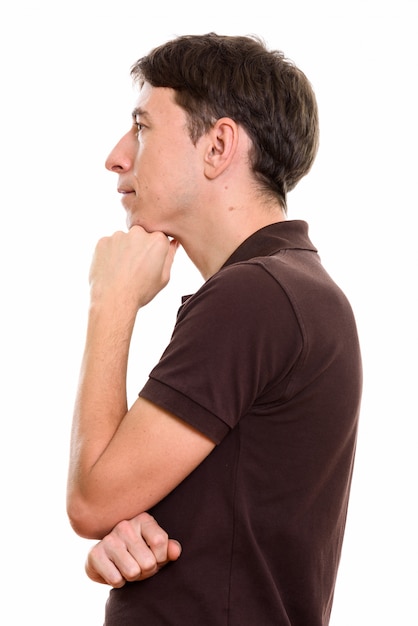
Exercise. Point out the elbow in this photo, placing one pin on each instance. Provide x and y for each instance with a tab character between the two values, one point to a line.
85	521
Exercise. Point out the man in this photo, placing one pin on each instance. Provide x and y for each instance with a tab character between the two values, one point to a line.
241	443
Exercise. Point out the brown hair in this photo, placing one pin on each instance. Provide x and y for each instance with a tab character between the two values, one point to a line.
218	76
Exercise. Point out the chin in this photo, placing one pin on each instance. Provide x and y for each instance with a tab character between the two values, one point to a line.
131	221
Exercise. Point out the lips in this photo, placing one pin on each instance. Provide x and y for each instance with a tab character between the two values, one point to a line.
124	190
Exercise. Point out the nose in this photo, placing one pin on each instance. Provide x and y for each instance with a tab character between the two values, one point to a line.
121	157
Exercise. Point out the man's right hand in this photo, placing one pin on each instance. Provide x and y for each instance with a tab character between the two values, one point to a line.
134	550
129	269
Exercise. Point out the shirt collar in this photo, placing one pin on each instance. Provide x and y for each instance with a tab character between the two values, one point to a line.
286	235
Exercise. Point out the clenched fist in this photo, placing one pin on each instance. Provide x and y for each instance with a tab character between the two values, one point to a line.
135	550
129	269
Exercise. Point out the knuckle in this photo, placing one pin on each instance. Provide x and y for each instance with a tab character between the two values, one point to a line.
159	539
149	566
160	239
132	572
124	528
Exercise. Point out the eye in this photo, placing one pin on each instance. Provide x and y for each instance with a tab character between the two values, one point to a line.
138	124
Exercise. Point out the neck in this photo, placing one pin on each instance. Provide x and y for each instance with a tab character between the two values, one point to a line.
212	245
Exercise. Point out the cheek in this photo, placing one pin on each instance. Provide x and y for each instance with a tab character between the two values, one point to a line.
170	175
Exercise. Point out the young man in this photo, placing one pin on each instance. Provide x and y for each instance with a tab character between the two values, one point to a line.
241	443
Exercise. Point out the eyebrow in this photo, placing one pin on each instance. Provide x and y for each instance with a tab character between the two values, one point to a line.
141	112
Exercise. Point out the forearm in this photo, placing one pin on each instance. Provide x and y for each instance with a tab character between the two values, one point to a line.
127	271
101	402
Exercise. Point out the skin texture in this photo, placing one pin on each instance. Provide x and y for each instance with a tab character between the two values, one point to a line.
134	550
204	198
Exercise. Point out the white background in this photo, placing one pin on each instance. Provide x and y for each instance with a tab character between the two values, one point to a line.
66	99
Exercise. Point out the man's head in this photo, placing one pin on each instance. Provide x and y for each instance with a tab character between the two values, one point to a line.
233	76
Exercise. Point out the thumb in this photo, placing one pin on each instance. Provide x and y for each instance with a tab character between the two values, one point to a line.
173	550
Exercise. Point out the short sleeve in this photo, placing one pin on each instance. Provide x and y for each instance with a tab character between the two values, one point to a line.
234	342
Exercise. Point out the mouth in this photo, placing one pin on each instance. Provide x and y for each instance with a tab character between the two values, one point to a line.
126	200
125	191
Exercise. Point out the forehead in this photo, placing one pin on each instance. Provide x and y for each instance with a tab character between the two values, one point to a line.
157	103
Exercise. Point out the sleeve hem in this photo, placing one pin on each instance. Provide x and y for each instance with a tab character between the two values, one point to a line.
184	408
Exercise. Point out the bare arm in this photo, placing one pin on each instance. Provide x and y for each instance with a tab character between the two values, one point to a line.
123	461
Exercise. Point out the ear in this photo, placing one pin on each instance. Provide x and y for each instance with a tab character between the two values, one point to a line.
221	147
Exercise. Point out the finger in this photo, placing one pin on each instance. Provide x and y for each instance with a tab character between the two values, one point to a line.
173	550
154	537
101	569
129	550
163	548
125	550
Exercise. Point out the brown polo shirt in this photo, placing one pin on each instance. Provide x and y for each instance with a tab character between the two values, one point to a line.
264	359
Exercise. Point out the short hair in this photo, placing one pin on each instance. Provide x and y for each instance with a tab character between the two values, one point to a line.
218	76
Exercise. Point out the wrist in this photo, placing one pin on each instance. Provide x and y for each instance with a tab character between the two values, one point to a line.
110	321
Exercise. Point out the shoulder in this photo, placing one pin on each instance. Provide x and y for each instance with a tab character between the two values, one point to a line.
243	299
248	283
